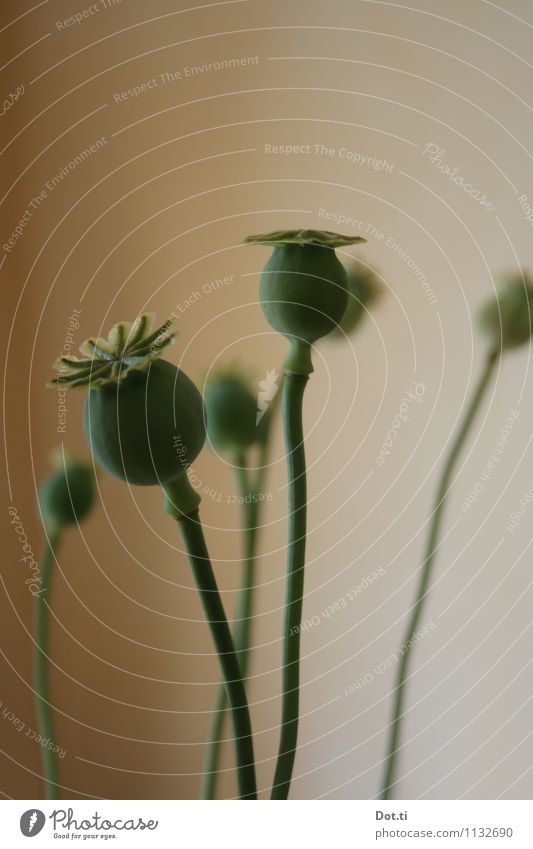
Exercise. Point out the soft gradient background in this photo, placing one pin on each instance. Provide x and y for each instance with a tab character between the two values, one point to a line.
161	210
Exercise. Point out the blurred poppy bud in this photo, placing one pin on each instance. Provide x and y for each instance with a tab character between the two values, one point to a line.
303	288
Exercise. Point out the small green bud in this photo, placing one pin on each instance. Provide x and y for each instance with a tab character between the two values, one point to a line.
67	495
363	290
143	418
303	288
507	319
231	411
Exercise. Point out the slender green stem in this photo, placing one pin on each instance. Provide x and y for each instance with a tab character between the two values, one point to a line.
242	629
193	537
244	611
425	576
42	688
293	391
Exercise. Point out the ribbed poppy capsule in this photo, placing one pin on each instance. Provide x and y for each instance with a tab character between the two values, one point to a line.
507	319
303	288
143	417
231	411
67	495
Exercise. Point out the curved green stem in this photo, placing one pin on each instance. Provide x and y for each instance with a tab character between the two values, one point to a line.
293	391
425	576
242	631
42	689
193	538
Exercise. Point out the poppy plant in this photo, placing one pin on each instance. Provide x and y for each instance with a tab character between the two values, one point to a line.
66	497
144	422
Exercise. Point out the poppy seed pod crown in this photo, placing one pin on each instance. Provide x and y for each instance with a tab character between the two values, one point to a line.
231	411
67	495
303	288
507	319
143	418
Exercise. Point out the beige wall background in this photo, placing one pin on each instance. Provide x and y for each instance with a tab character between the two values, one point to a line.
159	212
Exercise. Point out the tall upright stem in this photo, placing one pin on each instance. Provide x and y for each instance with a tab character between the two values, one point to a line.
425	575
41	668
193	538
292	402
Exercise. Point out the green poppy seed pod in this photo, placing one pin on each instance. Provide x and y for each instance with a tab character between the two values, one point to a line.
143	417
67	495
148	429
507	319
231	411
363	290
303	288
